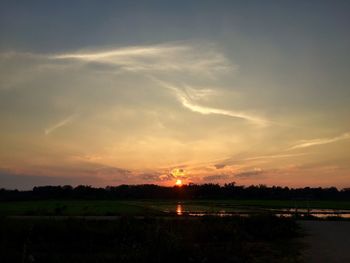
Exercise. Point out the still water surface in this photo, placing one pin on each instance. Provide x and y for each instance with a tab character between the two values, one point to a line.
286	212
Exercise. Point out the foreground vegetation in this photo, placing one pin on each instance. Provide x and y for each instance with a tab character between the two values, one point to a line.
150	239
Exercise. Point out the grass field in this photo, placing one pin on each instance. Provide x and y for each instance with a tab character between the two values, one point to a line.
74	208
153	207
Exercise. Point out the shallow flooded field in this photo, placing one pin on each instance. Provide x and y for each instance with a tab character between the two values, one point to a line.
182	209
285	208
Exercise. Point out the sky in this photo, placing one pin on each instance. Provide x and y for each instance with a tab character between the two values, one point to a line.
132	92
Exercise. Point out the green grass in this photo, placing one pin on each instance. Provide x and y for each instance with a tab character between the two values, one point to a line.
291	204
153	207
74	208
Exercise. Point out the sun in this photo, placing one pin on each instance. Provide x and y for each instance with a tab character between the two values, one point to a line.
178	182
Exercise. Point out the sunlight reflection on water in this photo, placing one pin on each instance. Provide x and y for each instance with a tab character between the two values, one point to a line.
179	209
320	213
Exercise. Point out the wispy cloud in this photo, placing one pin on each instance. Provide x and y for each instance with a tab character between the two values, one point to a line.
217	177
314	142
60	124
234	160
251	173
137	51
276	156
161	58
187	101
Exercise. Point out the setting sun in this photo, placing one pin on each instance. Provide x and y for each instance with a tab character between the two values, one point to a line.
178	182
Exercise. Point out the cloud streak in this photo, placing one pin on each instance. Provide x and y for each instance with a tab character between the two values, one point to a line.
233	160
321	141
248	174
160	58
189	103
60	124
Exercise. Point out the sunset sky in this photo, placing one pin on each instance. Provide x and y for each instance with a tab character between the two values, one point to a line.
128	92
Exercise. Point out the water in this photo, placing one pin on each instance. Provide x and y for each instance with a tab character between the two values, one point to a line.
284	212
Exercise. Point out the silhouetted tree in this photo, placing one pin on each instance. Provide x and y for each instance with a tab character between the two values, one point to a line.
190	191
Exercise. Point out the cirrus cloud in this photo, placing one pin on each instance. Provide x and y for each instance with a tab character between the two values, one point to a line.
156	58
320	141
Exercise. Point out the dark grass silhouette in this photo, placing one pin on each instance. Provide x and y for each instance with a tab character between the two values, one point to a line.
129	239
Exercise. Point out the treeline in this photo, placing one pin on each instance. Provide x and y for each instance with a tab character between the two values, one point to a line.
191	191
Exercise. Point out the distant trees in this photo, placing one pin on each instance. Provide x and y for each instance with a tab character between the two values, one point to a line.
191	191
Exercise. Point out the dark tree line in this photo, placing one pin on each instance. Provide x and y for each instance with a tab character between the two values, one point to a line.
191	191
